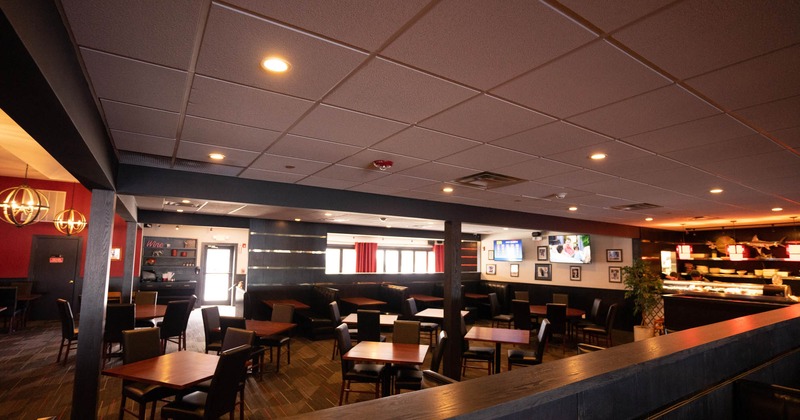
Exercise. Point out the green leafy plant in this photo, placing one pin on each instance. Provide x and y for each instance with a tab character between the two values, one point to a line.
643	285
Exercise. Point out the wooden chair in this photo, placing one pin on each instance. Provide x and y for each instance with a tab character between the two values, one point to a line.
221	396
521	315
475	353
280	313
13	314
497	317
141	344
561	298
146	298
429	328
604	331
336	318
189	309
557	315
369	373
119	317
174	324
522	295
211	328
369	325
524	357
24	288
69	333
414	379
403	376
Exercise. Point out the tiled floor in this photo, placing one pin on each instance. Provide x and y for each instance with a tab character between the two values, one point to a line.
33	385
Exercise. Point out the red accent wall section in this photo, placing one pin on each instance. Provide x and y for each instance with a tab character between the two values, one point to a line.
15	246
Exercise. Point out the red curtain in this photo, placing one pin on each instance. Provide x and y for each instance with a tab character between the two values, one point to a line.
438	254
366	257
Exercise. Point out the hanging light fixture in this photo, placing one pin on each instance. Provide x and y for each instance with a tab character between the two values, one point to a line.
23	205
70	221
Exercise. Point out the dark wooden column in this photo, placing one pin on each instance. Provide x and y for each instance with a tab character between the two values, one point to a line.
452	298
93	305
130	261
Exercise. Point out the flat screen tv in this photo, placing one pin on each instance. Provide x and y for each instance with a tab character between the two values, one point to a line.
572	249
508	250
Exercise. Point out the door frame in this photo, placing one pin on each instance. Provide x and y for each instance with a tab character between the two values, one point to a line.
76	281
202	282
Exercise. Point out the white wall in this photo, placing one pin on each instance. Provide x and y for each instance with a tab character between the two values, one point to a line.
593	275
206	235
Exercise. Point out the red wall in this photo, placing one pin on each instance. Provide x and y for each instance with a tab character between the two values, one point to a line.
15	245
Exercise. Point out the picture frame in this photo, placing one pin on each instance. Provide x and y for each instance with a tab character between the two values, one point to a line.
541	253
575	273
615	274
490	254
491	269
116	254
543	272
614	255
514	270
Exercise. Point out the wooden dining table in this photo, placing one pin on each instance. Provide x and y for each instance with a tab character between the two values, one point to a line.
498	336
268	328
436	313
296	303
394	353
427	299
387	320
178	370
541	310
148	311
360	302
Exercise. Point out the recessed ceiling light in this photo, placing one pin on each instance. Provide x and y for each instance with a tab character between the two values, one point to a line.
185	201
447	189
297	219
598	156
328	214
275	65
179	210
715	191
648	219
216	156
777	209
573	208
505	228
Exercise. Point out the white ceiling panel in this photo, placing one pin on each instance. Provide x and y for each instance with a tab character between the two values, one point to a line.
402	182
203	130
343	126
437	171
615	152
690	134
724	150
425	144
758	166
324	182
536	169
575	178
365	158
349	173
633	168
609	15
486	158
528	189
287	164
774	115
550	139
312	149
199	152
142	143
137	119
790	136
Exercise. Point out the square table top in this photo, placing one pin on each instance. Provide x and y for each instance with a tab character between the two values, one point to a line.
373	351
498	335
150	311
178	370
296	303
267	328
476	296
435	313
362	301
386	320
541	310
427	298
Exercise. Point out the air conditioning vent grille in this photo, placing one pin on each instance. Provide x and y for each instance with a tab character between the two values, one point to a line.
487	180
637	206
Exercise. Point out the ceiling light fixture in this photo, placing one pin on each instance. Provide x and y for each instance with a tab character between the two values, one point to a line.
23	205
777	209
179	210
598	156
382	164
70	221
573	208
447	189
297	219
275	65
715	191
216	156
648	219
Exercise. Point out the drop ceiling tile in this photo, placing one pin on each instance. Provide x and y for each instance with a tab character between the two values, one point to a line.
790	136
312	149
377	189
486	158
286	164
135	82
536	169
774	115
724	150
550	139
402	182
697	36
592	76
137	119
691	134
756	166
633	168
687	179
229	102
575	178
493	40
609	15
203	130
529	189
763	79
650	111
397	92
617	187
363	24
424	144
200	152
349	173
343	126
323	182
274	176
485	118
615	151
133	28
149	203
437	171
316	64
365	158
143	143
782	186
595	200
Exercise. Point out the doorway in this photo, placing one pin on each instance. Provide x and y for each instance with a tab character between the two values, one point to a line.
219	266
54	270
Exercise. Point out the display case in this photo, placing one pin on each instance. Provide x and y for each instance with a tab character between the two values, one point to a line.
171	259
726	290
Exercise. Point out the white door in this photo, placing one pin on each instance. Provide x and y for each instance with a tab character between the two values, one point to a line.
218	270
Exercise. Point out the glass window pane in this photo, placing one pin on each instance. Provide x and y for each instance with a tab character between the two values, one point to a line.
348	261
332	261
420	261
216	288
406	261
392	261
431	262
379	261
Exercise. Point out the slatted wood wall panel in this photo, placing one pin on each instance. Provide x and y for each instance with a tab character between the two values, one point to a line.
286	252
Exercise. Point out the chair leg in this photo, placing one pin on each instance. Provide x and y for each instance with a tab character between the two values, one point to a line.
241	404
60	349
341	391
278	363
143	409
335	350
122	407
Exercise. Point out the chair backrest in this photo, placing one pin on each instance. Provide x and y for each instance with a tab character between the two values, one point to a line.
545	330
561	298
521	310
24	288
189	309
612	313
282	312
557	315
409	308
210	321
8	298
522	295
595	310
235	337
226	322
140	344
438	351
174	318
231	371
119	317
336	316
67	320
146	297
343	341
369	325
405	332
494	304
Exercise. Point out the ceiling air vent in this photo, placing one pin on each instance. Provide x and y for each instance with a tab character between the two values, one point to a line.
637	206
178	204
488	180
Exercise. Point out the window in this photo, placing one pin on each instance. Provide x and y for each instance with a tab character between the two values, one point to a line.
392	261
348	261
333	261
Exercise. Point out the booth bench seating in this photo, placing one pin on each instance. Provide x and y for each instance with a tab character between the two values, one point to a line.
314	322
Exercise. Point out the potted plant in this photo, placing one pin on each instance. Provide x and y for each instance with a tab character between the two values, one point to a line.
643	286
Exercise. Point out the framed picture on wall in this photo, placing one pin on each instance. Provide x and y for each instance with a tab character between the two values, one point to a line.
615	274
115	254
514	270
614	255
491	269
575	273
541	253
543	272
491	254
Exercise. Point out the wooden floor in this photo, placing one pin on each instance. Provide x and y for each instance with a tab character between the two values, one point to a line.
32	385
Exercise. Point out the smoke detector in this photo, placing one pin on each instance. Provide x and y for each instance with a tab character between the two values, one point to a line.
382	164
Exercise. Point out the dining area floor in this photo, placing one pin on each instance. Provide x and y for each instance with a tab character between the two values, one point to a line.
34	386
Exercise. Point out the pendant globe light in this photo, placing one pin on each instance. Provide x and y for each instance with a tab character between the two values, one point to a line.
70	221
23	205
